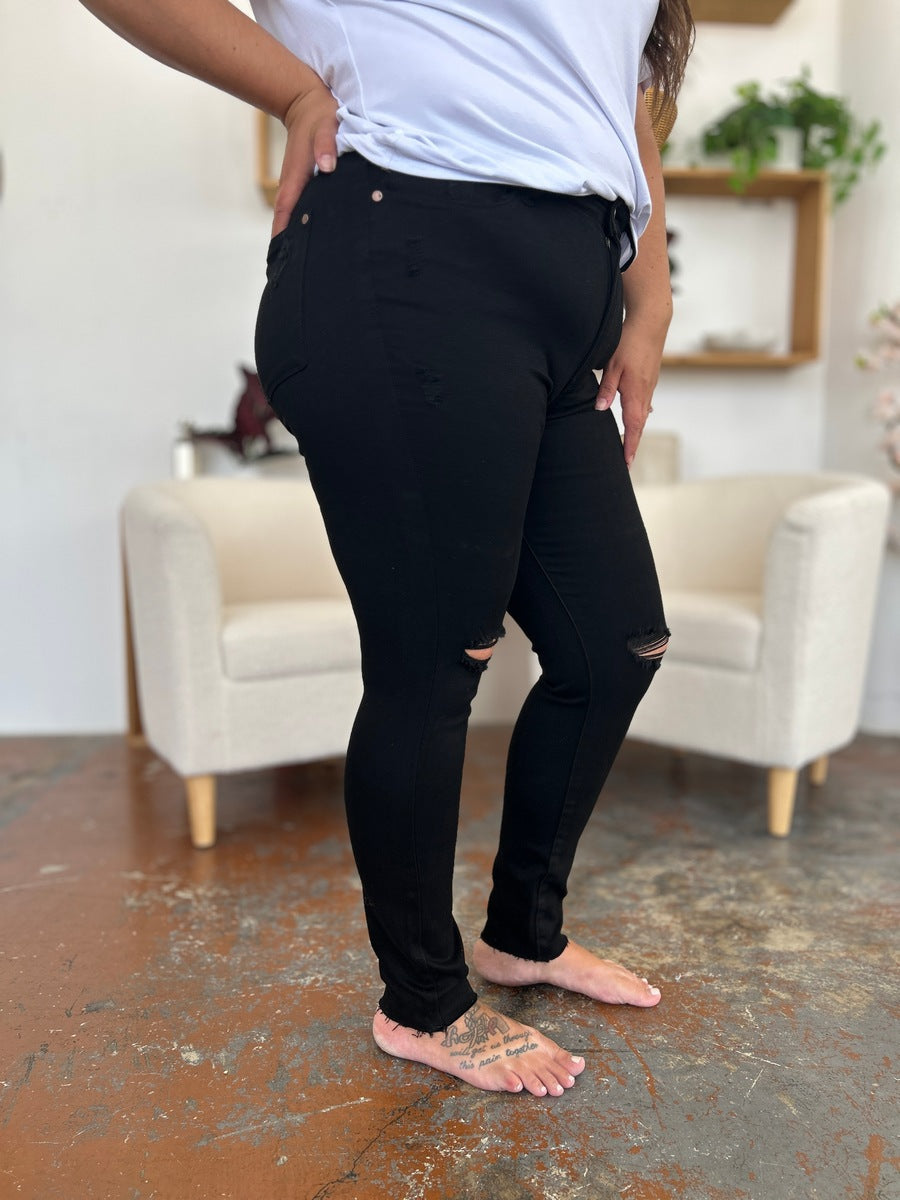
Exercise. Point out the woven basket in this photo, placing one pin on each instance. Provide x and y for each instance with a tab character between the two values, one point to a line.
663	110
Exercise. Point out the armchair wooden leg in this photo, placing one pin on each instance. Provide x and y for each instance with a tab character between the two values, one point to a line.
201	804
818	771
782	791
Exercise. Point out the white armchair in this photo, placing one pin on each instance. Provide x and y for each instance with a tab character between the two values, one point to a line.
245	648
769	584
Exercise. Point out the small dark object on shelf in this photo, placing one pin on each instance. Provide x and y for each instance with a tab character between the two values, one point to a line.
672	236
252	416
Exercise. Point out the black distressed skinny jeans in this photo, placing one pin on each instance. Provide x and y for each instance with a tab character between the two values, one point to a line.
430	345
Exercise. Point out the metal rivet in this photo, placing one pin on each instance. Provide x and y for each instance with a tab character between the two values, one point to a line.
376	196
304	220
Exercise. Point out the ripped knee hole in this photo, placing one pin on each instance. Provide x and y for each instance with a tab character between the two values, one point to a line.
482	655
476	657
649	647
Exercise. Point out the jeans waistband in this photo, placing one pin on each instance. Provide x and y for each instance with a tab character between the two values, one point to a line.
614	215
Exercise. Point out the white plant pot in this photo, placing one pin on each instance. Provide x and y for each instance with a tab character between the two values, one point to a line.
789	155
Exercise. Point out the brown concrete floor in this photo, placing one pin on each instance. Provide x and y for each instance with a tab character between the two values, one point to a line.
195	1024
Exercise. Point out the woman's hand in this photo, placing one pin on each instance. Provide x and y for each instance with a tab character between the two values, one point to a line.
216	42
312	124
633	372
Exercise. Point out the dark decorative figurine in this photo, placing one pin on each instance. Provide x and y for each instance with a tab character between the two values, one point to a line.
252	415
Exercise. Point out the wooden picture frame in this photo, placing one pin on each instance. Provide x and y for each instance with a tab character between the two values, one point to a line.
266	171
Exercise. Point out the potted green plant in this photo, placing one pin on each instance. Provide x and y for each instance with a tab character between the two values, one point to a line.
831	137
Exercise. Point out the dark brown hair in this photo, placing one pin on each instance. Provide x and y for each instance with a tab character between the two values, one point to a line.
668	46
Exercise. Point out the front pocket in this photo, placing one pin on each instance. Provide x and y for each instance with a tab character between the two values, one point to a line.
281	321
610	332
276	256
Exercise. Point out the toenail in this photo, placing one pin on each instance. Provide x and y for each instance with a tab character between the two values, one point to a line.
654	991
577	1059
542	1091
571	1080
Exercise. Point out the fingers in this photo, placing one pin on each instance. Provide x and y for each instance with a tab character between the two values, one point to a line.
325	148
312	126
296	171
286	197
633	372
634	418
609	385
636	407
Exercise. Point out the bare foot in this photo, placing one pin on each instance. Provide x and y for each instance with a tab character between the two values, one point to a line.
576	969
483	1048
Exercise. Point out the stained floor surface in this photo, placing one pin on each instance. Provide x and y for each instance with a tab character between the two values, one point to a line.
181	1024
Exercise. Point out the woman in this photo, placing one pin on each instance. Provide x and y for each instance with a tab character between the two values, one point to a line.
461	190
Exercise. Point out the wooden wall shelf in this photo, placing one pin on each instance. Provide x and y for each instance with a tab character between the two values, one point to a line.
725	360
745	12
809	192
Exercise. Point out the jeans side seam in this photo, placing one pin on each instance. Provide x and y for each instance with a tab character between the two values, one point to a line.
566	800
379	327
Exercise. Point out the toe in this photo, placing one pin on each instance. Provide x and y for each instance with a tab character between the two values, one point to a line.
548	1080
562	1075
638	990
533	1083
562	1081
567	1066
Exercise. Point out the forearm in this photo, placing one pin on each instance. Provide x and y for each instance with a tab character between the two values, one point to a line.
633	369
647	287
213	41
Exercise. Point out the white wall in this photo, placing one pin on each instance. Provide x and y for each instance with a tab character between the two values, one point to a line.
131	257
732	421
866	273
131	247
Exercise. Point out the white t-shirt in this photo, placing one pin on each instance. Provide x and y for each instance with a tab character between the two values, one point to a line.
533	92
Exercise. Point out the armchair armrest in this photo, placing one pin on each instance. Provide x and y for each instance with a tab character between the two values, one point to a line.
821	579
267	536
710	534
192	548
176	604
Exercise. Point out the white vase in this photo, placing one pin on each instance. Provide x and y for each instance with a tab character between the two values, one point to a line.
184	459
789	155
